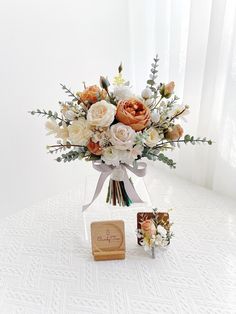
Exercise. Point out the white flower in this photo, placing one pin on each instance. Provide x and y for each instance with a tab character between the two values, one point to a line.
129	156
122	136
54	128
153	137
70	115
122	92
146	93
155	116
101	114
79	132
111	156
180	110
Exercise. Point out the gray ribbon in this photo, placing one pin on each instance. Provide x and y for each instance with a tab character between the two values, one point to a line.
139	170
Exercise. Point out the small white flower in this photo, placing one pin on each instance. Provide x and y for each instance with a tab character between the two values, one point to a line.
146	93
155	116
122	92
79	132
70	115
153	137
122	136
111	156
101	114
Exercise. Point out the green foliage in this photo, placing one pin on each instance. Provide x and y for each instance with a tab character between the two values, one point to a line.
69	92
48	114
151	82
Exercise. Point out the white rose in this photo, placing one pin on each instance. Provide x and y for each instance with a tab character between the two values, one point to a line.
122	92
101	114
122	136
111	156
146	93
79	132
153	137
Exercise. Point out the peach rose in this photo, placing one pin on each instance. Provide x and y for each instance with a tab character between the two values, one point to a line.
167	89
92	94
94	148
148	227
174	133
134	113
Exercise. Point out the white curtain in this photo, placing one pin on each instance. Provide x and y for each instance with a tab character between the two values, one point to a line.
196	43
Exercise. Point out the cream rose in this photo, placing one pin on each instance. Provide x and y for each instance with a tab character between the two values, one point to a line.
122	136
153	137
79	132
101	114
111	156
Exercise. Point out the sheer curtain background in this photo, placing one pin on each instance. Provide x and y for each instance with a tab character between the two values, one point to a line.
196	43
43	43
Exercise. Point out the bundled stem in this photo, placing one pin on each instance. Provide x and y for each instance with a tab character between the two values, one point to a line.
117	194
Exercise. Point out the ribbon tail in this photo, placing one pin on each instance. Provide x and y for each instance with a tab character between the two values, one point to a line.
133	195
98	189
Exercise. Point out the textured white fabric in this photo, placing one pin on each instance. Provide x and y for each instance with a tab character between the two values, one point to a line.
47	268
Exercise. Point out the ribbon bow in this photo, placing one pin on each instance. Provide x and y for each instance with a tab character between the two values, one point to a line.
139	170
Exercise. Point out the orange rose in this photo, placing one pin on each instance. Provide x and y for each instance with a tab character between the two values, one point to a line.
92	94
148	227
134	113
94	148
174	133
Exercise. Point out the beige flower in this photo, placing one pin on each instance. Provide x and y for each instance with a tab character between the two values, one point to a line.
122	136
59	132
153	137
101	114
79	132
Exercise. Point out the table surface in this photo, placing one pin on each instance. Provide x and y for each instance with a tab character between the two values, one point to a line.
46	265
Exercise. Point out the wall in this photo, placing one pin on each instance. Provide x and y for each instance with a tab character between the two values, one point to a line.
44	43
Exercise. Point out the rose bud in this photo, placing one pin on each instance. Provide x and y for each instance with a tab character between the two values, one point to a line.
174	133
167	90
104	83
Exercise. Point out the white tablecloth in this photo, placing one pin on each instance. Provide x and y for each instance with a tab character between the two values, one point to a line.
46	266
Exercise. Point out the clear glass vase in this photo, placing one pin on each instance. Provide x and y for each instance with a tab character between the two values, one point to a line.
99	210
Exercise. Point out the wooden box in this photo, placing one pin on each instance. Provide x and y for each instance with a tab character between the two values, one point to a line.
108	240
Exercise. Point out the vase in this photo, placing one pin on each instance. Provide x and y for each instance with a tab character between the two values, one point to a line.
101	210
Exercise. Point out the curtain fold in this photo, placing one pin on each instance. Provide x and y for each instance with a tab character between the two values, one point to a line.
196	43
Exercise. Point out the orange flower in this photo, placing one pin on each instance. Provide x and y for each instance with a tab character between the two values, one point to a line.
92	94
94	148
148	227
174	133
134	113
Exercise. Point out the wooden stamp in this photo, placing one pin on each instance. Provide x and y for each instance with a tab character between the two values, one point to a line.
108	240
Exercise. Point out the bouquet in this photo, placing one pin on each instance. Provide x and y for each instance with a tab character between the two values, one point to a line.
154	230
115	128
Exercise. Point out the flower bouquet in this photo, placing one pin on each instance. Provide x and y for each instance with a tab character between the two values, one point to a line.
154	229
115	128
